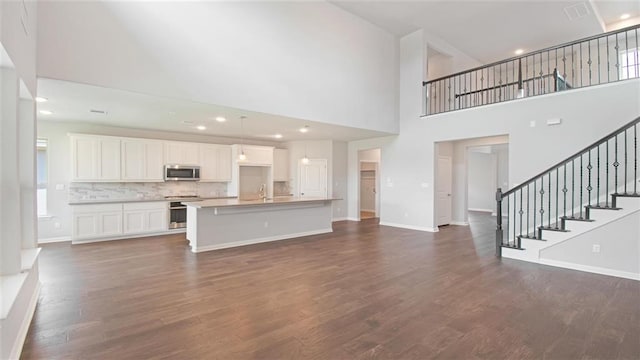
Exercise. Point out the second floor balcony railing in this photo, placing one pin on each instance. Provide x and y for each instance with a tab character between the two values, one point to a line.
599	59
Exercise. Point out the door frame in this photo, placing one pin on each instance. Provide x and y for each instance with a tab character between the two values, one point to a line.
377	186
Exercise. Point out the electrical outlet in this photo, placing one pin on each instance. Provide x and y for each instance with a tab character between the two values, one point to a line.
406	214
532	123
59	186
266	224
57	225
595	248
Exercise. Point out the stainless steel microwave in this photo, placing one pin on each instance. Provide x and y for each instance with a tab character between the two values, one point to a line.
181	173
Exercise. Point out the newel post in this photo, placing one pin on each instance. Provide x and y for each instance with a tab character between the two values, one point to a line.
499	232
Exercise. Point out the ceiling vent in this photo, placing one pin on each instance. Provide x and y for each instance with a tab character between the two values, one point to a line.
98	112
577	11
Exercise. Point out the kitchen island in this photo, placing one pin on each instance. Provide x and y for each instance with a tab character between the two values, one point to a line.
224	223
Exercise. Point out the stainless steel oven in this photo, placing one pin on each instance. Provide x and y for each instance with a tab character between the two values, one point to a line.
177	215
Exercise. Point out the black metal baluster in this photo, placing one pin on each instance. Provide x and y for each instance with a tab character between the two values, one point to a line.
626	49
581	71
581	161
508	220
635	159
599	68
449	95
494	84
549	198
637	54
608	62
626	179
535	195
573	67
564	191
573	188
606	169
617	57
500	84
526	70
615	165
514	217
589	62
521	212
589	188
528	201
548	72
564	64
541	79
542	201
598	174
557	192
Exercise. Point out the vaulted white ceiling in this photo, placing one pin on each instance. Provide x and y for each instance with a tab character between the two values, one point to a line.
491	30
70	101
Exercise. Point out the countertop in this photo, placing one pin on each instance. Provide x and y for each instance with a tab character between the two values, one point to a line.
119	201
236	202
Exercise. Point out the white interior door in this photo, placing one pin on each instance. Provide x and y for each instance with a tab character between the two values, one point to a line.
313	178
443	191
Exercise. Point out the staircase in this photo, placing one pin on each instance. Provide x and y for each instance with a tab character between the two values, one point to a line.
592	189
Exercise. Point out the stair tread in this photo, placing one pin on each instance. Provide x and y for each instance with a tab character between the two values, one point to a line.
511	247
602	207
529	237
576	219
553	228
626	195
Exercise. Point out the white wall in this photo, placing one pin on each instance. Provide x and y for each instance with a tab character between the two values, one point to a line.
619	249
59	158
20	44
482	173
308	60
407	194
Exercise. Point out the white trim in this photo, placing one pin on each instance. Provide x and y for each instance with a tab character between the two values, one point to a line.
353	219
410	227
459	223
128	236
591	269
480	210
259	240
344	218
54	239
368	210
24	327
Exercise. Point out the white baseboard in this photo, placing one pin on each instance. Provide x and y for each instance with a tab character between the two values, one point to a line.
353	219
459	223
368	210
344	218
54	239
129	236
481	210
591	269
26	322
410	227
258	241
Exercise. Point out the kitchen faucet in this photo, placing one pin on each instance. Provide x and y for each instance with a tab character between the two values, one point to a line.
262	192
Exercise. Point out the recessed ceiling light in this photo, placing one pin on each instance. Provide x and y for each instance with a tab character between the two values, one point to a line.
625	16
220	119
45	112
519	52
304	129
278	136
41	99
201	127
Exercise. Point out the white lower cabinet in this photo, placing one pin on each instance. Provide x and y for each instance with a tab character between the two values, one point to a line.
117	220
145	217
95	221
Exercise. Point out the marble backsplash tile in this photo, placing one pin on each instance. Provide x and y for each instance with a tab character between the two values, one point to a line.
142	191
281	188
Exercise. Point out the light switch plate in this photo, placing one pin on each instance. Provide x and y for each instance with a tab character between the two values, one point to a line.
59	186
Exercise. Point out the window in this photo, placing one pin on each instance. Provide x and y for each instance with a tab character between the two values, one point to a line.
42	176
629	64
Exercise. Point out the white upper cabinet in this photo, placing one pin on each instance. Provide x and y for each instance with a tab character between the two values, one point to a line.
142	160
95	158
215	163
280	165
181	153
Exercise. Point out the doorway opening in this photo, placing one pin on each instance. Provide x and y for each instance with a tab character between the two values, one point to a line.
467	175
369	184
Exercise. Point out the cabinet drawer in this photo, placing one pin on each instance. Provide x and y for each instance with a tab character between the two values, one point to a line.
155	205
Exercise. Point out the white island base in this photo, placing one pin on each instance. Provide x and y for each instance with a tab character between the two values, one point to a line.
225	223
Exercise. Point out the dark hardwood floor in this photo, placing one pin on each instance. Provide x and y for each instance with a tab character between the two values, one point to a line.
364	291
